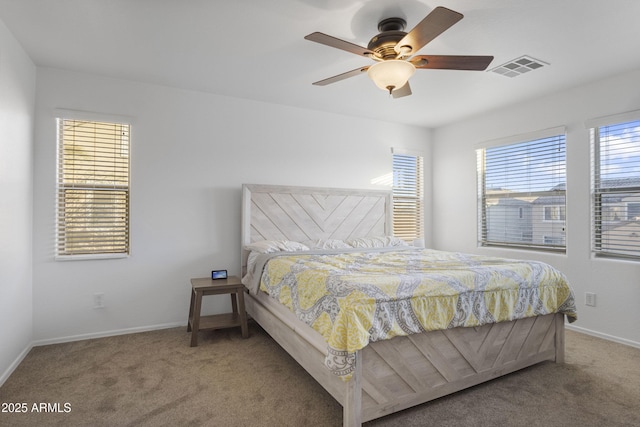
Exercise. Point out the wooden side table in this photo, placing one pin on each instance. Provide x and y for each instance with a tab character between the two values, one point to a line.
206	286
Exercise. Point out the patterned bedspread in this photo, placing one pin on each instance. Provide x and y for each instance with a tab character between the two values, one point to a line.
353	298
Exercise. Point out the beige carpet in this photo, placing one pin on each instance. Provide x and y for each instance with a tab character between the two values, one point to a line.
156	379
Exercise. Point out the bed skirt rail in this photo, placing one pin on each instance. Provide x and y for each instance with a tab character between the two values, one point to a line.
407	371
396	374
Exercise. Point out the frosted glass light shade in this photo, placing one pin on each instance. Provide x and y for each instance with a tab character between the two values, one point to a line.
391	74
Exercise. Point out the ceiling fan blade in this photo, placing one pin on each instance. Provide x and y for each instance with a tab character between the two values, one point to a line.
339	44
438	21
341	76
452	62
400	92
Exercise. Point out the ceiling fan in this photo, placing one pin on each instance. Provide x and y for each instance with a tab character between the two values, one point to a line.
393	51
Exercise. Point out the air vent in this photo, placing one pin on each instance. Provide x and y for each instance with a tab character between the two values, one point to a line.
519	66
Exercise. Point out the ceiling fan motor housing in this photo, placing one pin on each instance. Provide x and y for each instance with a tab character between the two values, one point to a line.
391	32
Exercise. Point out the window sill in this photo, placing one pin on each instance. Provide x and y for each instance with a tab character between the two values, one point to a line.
90	257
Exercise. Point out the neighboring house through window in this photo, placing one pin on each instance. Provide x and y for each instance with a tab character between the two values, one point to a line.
521	191
615	207
92	214
408	204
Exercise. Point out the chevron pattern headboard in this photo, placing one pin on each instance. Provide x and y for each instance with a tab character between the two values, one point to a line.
303	213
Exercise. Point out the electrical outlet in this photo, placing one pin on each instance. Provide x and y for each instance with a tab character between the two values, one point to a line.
590	299
98	300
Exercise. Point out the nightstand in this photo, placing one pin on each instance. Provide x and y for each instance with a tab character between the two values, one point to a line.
206	286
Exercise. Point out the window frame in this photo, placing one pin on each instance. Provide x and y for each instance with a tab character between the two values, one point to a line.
413	201
603	215
125	190
484	216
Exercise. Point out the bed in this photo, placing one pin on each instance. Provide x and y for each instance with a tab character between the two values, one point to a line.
381	376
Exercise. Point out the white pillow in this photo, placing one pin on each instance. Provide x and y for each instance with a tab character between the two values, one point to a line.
376	242
268	246
327	244
251	262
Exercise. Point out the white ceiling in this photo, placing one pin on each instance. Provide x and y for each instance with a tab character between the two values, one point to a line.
255	49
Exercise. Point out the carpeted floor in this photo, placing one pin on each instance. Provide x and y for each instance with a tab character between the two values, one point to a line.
156	379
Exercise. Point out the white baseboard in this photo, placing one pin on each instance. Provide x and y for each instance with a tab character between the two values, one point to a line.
7	373
23	354
111	333
603	336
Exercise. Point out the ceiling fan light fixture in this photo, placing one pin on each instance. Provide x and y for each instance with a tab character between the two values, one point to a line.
391	74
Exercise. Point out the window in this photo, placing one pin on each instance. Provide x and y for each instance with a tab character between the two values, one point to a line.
521	191
408	211
616	186
633	211
92	215
552	240
554	213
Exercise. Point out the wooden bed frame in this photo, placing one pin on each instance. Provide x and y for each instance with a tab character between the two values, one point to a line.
395	374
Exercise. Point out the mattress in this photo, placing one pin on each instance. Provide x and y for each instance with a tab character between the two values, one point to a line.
353	297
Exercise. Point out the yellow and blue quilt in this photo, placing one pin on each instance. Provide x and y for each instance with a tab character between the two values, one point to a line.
353	298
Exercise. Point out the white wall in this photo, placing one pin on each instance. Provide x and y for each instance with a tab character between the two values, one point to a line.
190	154
616	283
17	86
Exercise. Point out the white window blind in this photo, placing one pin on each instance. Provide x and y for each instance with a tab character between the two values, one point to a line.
616	189
408	210
92	209
521	193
